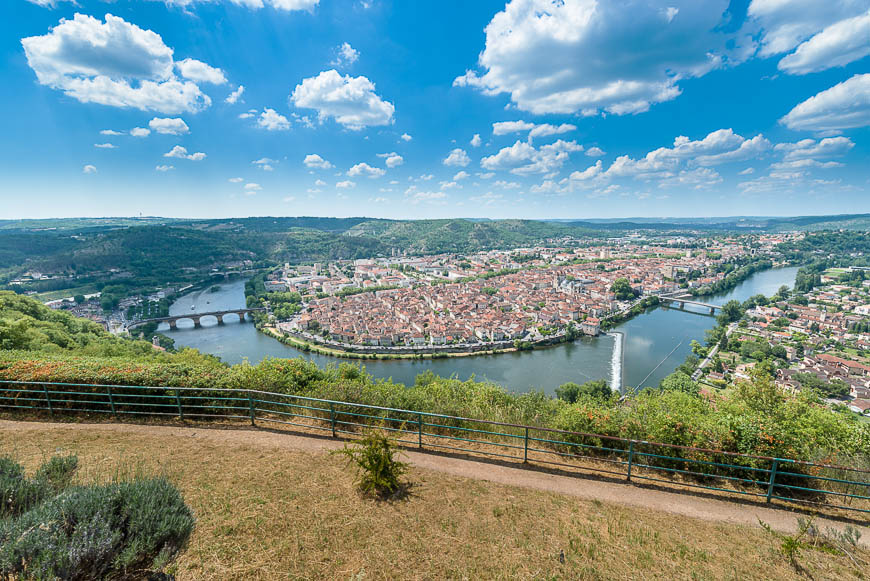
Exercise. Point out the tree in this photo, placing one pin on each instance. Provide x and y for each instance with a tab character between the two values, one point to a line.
596	389
621	287
731	311
679	381
488	290
79	299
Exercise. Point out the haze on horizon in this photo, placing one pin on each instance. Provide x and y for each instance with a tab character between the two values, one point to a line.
525	109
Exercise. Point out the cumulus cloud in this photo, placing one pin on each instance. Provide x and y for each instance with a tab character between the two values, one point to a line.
588	173
505	127
846	105
580	56
836	46
698	178
314	161
392	159
234	97
271	120
265	163
49	3
595	152
113	63
164	168
460	175
169	126
534	129
236	180
351	101
812	149
181	153
105	146
430	197
476	140
457	157
140	132
345	184
252	188
199	71
345	55
364	169
406	137
523	158
110	132
89	169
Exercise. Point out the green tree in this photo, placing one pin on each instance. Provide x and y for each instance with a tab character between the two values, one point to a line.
79	299
679	381
621	287
595	389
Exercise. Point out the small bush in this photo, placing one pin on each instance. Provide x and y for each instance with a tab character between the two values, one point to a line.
52	530
378	471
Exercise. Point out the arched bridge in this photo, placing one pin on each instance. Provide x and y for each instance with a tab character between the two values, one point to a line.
685	299
196	317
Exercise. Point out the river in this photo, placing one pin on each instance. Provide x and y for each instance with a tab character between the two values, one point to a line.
661	337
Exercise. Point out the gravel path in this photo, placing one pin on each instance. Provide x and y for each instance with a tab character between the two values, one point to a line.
591	488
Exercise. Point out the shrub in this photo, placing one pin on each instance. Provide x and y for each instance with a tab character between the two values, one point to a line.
117	531
378	471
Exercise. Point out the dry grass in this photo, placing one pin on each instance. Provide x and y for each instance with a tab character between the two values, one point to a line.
272	513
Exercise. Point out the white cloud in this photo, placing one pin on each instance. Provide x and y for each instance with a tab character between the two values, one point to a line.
345	55
392	159
846	105
426	177
265	163
430	197
588	173
234	97
113	63
457	157
486	175
804	164
169	126
201	72
140	132
446	185
365	169
406	137
786	24
749	149
251	189
105	146
584	56
49	3
181	153
460	175
319	183
836	46
313	160
476	140
698	178
351	101
506	185
271	120
523	158
595	152
345	184
747	171
164	168
236	180
811	149
89	169
505	127
285	5
248	114
110	132
546	129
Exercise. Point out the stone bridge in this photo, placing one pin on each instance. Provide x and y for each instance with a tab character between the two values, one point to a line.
685	299
196	317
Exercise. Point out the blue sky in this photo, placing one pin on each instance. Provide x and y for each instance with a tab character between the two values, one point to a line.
530	109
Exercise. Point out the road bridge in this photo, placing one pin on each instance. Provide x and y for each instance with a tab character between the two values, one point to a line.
197	317
685	299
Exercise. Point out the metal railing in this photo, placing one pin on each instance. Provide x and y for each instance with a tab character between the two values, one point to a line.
826	485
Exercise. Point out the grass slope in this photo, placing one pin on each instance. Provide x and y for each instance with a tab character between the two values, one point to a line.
265	512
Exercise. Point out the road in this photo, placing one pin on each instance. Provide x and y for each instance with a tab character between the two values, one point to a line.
712	354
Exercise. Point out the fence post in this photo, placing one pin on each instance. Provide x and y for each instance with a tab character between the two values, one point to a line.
772	479
251	407
630	458
332	417
48	399
526	446
111	401
178	401
420	430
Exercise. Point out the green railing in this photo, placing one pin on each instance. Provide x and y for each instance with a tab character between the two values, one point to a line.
762	477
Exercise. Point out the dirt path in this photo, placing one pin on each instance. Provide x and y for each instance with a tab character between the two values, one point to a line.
683	504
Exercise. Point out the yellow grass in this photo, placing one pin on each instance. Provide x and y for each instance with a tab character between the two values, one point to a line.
265	512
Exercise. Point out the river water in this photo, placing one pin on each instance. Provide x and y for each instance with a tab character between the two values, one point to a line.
661	337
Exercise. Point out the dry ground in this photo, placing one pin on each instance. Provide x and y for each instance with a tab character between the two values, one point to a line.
275	506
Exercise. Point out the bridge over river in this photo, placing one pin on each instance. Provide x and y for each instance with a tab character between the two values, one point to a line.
682	299
196	317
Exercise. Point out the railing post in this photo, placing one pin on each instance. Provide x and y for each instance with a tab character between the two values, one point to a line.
772	479
630	458
178	401
111	401
526	446
251	407
332	417
48	399
420	430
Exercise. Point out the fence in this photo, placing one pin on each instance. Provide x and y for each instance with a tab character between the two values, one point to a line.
771	479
